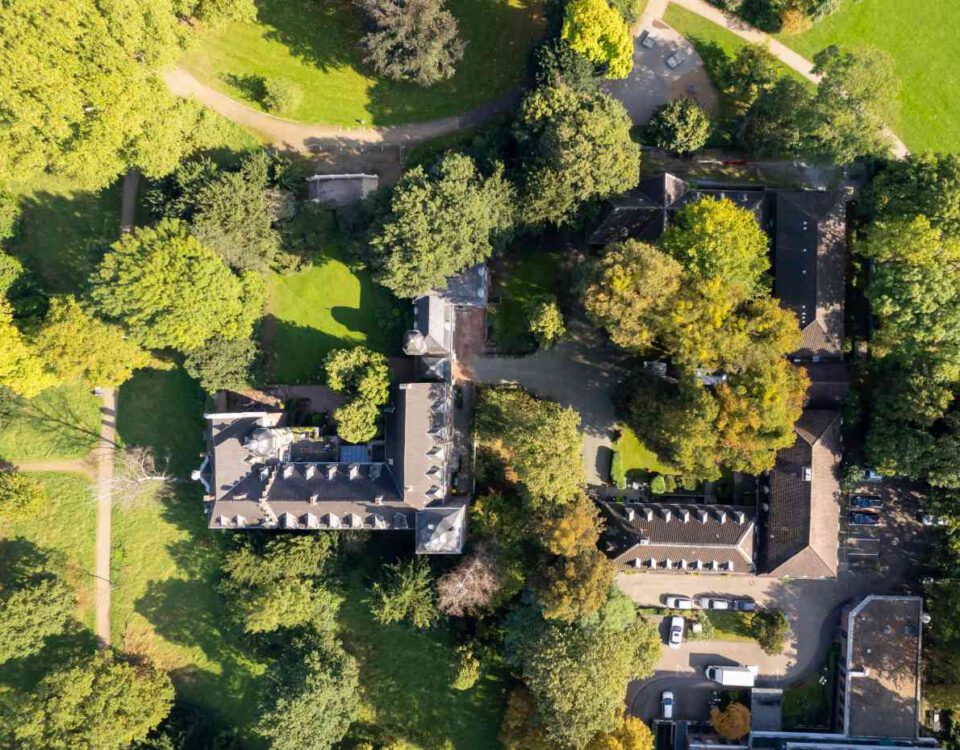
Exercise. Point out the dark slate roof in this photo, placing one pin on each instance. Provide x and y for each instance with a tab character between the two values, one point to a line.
829	384
434	320
803	522
713	537
441	530
467	289
810	264
424	441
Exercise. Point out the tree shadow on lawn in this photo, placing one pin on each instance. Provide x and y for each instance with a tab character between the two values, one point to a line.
61	237
54	413
324	33
189	612
163	410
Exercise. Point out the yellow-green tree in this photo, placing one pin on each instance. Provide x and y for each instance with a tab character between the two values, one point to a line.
21	370
594	29
76	345
632	734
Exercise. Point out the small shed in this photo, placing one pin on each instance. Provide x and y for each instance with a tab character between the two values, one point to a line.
337	190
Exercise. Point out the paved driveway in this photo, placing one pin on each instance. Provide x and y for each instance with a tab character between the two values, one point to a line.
583	371
651	83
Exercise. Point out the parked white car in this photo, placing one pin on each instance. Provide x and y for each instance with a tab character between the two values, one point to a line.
678	602
708	602
677	624
676	59
666	704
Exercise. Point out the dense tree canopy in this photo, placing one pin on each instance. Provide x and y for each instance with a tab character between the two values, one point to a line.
731	723
282	585
81	96
31	612
924	184
577	674
441	222
716	239
21	368
594	29
753	71
224	363
539	440
76	345
171	291
363	375
575	147
406	594
411	40
100	703
779	120
680	126
313	704
20	495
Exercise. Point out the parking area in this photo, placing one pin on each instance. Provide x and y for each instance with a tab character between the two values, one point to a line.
887	557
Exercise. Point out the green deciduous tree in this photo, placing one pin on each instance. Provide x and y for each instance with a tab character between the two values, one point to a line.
632	734
770	628
21	369
9	214
922	184
100	703
281	96
313	705
778	122
82	96
575	147
217	12
855	100
577	673
717	239
411	40
21	496
752	72
221	363
594	29
441	222
76	345
629	290
576	587
406	593
539	440
680	126
171	291
32	612
363	375
467	669
546	322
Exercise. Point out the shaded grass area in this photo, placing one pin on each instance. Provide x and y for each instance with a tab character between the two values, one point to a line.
520	279
64	231
65	526
315	44
635	456
324	306
810	704
921	39
166	563
405	676
59	423
729	626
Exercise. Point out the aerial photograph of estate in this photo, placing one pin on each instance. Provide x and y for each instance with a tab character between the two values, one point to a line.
479	375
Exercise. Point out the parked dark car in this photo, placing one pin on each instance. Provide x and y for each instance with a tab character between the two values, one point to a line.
868	502
864	519
744	605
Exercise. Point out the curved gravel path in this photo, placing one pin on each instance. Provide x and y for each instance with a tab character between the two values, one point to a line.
303	137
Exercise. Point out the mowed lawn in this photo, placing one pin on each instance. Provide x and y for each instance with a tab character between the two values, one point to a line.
522	278
315	44
60	423
636	456
922	39
322	307
65	527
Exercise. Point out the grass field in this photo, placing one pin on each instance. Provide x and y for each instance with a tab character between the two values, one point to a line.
636	456
405	675
322	307
921	38
61	422
65	526
522	278
314	43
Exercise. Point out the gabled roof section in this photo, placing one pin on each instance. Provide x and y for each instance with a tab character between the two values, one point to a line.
804	519
424	427
441	530
680	537
809	266
467	289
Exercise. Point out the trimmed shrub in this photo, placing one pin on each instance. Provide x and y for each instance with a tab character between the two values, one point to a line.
658	485
281	96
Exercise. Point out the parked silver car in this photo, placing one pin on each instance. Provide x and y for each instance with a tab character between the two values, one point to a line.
709	602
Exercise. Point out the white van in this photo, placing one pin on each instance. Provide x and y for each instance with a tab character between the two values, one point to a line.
733	676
